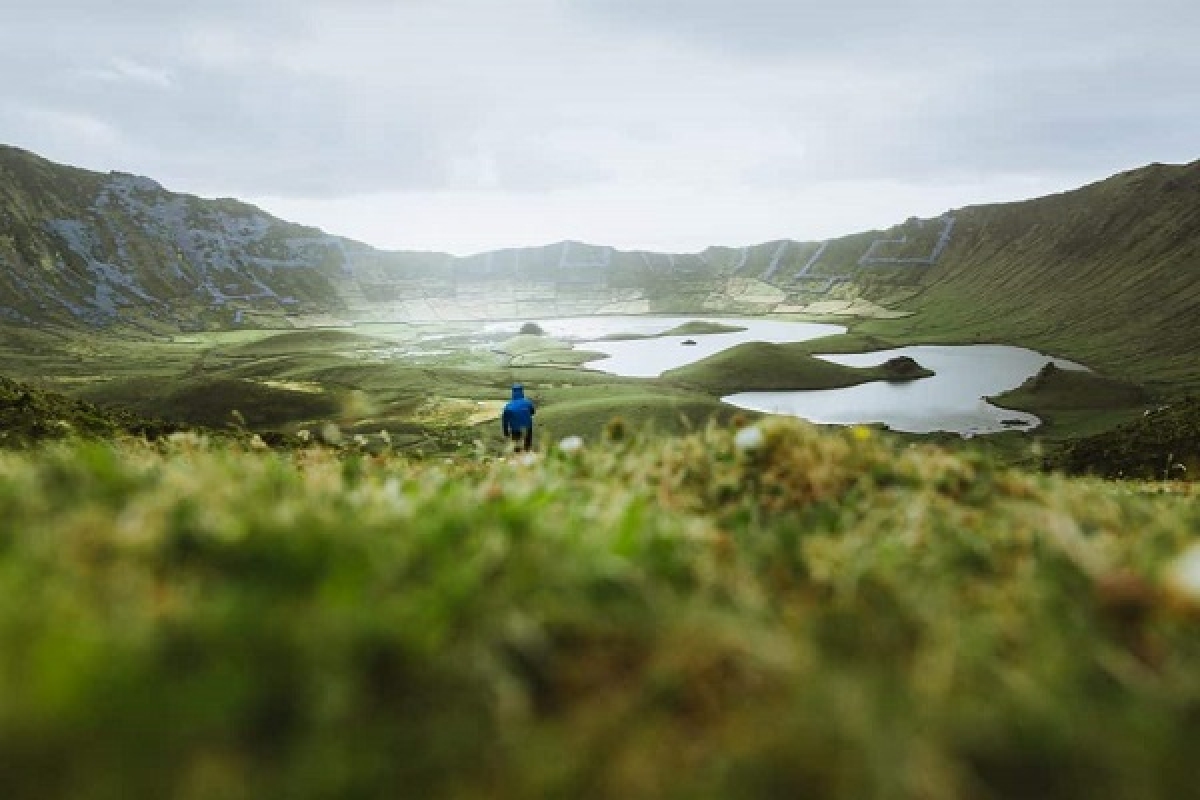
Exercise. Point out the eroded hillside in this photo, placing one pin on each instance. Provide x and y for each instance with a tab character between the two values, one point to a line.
1108	274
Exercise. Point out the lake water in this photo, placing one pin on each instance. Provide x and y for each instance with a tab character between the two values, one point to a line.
649	358
952	400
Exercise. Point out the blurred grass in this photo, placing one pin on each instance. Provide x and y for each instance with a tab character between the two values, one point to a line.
808	614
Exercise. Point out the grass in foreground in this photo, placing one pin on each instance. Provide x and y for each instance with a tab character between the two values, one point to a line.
787	613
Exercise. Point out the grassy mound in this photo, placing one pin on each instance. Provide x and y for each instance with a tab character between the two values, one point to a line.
1076	405
786	613
29	415
212	401
759	366
1163	443
525	343
1057	389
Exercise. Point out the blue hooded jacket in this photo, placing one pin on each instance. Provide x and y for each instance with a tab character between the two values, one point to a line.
518	413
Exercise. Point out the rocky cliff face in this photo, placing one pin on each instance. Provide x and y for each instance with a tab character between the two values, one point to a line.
79	248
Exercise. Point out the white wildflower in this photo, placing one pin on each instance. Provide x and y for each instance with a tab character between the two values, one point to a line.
393	494
748	439
360	440
187	440
571	444
331	434
1183	575
386	437
304	435
257	443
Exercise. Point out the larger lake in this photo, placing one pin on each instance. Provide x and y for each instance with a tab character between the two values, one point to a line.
953	400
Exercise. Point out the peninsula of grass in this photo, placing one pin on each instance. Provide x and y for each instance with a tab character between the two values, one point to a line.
771	612
525	343
1074	404
526	349
761	366
849	342
692	328
1056	389
698	327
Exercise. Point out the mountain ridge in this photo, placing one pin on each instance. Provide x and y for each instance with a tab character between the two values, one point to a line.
1109	271
1077	272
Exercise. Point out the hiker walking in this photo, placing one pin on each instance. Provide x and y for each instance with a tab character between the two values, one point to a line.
517	419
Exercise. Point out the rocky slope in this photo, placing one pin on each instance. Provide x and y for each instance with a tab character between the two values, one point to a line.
82	248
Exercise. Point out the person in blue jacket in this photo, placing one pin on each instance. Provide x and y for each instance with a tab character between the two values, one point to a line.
517	419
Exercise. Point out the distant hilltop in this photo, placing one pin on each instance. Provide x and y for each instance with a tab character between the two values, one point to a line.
1092	269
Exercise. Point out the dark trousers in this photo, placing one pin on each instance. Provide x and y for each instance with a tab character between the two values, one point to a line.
522	439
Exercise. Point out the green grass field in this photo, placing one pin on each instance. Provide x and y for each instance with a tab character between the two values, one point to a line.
435	394
780	613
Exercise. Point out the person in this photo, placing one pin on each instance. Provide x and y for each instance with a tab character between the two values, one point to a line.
517	419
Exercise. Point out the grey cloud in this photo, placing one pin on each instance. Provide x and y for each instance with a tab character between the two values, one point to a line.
781	30
266	126
327	99
1072	120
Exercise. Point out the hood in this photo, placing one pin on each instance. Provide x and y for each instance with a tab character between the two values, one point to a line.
518	391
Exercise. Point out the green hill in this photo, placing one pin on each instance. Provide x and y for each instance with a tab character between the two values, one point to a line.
213	401
1108	274
1161	444
764	367
30	415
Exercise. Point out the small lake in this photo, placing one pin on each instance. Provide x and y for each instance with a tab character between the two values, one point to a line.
952	400
649	358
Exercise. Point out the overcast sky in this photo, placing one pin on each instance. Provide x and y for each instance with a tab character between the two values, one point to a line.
466	125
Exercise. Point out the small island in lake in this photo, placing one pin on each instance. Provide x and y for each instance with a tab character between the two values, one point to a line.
903	368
